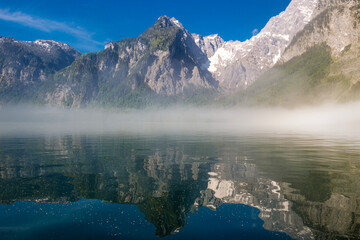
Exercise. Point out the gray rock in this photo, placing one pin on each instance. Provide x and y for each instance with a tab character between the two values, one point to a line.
24	65
238	64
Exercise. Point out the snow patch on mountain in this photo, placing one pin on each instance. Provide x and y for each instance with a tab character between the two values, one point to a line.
209	44
176	22
238	64
49	45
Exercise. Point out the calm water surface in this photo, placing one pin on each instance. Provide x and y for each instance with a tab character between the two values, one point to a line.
199	186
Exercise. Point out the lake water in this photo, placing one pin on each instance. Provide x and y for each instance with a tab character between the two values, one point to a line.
180	173
179	186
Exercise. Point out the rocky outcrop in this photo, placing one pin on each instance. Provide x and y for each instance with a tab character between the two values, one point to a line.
238	64
337	26
209	44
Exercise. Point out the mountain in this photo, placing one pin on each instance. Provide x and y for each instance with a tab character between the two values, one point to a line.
320	64
209	44
303	53
163	61
167	63
24	64
238	64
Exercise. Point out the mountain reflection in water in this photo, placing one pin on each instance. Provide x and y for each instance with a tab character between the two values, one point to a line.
304	187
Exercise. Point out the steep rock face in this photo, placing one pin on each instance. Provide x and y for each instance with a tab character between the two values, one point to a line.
238	64
209	44
321	63
164	60
24	63
337	26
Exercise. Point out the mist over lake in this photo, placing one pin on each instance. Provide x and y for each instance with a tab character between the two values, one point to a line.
333	119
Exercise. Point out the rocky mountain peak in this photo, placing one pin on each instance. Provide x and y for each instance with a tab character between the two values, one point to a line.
295	17
8	39
176	22
164	22
238	64
164	29
48	44
209	44
163	61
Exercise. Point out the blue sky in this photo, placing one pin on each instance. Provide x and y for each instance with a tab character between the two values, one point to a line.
88	24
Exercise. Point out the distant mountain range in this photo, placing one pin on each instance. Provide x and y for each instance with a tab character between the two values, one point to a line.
306	54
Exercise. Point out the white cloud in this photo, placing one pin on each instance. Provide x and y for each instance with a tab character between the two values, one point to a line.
47	25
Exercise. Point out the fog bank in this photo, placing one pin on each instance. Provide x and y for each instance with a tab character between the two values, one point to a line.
339	119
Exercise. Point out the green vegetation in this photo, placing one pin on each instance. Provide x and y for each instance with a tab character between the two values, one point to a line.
160	37
161	42
305	79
